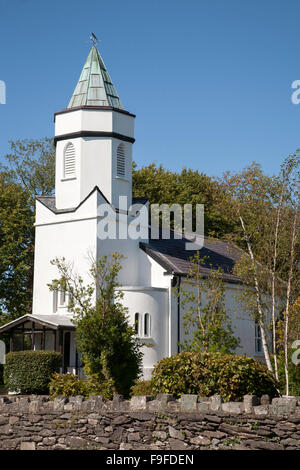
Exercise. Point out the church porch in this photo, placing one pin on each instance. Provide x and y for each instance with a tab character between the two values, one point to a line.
45	332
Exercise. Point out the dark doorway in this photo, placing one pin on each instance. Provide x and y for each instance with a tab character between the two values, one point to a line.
67	342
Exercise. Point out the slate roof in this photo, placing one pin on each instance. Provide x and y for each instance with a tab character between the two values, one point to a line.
95	87
173	256
49	202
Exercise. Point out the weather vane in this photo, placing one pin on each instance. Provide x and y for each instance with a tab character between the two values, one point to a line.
94	40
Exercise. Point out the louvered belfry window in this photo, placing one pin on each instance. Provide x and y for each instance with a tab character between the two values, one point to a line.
121	161
69	161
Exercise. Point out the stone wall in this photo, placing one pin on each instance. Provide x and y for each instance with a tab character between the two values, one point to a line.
144	423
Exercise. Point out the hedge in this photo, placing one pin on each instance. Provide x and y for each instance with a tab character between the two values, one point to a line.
30	371
69	385
207	374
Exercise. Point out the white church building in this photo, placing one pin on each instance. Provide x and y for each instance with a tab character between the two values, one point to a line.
94	138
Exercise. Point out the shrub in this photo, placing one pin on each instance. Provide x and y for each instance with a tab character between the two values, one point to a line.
141	387
30	371
208	374
1	374
70	385
294	374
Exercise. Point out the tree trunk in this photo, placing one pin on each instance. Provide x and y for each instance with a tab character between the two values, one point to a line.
258	301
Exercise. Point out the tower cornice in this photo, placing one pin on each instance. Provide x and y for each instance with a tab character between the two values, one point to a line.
93	108
75	135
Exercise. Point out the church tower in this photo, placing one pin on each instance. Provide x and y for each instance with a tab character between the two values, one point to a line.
93	138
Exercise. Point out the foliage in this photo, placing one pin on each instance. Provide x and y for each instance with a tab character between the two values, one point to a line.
141	387
29	170
31	163
30	371
1	374
268	212
69	385
109	348
206	319
294	374
294	326
208	374
163	186
16	250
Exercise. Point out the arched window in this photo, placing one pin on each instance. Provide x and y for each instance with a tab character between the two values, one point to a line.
69	161
137	323
258	342
147	325
121	161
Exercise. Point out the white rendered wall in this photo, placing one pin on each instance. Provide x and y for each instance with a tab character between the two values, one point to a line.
242	324
95	156
72	236
155	302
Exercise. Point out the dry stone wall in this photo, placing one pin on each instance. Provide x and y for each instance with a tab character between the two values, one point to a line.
144	423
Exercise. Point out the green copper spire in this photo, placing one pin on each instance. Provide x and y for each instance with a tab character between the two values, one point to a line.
94	87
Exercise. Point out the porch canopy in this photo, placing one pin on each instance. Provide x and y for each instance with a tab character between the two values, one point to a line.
41	329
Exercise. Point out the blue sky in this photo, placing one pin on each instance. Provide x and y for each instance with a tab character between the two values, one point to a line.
209	80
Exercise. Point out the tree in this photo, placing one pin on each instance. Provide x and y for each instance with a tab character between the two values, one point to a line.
16	250
110	351
31	163
206	318
267	209
163	186
29	170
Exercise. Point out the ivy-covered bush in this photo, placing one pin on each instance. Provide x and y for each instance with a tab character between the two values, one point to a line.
141	387
69	385
30	371
208	374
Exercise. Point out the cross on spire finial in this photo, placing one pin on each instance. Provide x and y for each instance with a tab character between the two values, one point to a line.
94	40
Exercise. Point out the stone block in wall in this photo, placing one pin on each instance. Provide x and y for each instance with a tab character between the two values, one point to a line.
283	406
140	402
173	406
23	404
176	434
90	405
233	407
69	407
27	446
261	410
164	399
125	405
249	402
59	403
77	402
203	407
264	400
200	441
216	402
160	435
154	405
3	420
116	402
76	442
3	402
34	406
188	402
